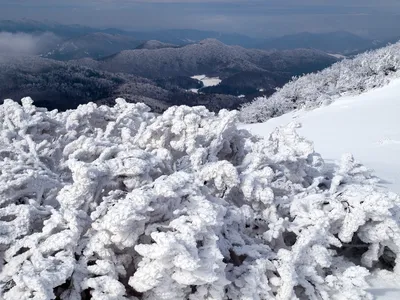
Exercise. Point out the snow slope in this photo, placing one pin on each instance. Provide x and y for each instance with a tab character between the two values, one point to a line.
385	287
367	126
340	56
207	81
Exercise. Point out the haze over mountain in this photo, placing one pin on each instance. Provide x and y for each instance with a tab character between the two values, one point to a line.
172	36
94	45
32	26
341	42
89	38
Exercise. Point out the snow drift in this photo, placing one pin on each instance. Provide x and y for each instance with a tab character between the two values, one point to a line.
118	203
366	125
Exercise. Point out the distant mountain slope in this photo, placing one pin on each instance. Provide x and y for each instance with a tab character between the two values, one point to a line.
350	76
62	85
333	42
376	45
154	44
190	36
212	58
59	85
93	45
242	71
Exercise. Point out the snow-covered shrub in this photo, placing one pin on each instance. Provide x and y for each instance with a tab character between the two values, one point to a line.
350	76
113	203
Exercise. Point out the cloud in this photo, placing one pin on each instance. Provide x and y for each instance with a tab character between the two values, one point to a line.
22	43
377	19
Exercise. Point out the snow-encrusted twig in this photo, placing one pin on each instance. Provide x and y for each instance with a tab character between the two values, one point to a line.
117	203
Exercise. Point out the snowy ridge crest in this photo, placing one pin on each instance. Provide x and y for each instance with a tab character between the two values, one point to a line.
117	203
348	77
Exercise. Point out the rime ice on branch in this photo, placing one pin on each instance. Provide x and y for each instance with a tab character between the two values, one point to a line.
113	203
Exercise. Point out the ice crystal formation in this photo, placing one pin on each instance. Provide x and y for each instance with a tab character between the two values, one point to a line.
113	203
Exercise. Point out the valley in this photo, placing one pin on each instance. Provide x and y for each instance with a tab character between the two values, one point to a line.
160	75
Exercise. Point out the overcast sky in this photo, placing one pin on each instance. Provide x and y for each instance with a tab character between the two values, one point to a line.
377	18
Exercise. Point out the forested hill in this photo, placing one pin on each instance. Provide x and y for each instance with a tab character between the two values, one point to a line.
350	76
213	58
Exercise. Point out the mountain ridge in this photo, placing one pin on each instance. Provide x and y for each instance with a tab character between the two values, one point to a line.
210	57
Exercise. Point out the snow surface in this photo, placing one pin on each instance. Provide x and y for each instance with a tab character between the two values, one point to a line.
368	126
385	287
339	56
207	81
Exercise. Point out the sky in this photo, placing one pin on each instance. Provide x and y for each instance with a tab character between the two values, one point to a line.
261	18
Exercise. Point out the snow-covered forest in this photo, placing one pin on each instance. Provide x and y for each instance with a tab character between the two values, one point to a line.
350	76
113	203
